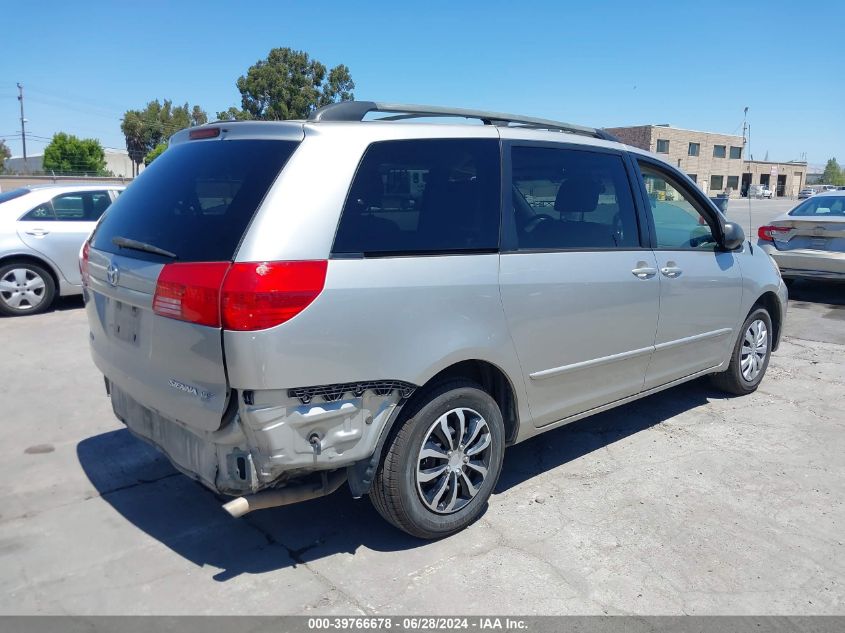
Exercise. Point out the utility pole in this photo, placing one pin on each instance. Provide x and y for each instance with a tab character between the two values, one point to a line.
23	124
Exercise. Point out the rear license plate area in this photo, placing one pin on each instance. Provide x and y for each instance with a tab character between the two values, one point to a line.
125	323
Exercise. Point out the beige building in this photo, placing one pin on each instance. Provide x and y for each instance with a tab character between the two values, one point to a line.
717	162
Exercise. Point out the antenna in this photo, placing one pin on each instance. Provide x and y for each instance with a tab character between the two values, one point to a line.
750	172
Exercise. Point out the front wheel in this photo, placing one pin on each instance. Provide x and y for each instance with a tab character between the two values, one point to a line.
750	356
440	467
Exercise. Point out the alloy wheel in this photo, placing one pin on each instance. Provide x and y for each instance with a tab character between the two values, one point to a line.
755	347
454	460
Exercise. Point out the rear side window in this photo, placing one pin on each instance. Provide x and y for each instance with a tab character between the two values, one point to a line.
426	196
572	199
196	200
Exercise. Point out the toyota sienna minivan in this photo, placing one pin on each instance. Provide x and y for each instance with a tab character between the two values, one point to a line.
372	298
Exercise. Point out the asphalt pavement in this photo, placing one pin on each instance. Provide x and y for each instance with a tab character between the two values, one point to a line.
686	502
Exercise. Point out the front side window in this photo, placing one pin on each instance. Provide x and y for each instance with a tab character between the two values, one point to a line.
423	196
662	146
694	148
736	152
678	223
719	151
571	199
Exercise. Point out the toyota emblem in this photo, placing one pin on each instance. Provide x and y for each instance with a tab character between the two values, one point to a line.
112	274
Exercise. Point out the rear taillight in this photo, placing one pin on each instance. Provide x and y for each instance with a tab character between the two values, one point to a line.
83	262
241	296
190	292
769	233
259	295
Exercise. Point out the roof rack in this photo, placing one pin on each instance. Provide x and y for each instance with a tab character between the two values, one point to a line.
357	110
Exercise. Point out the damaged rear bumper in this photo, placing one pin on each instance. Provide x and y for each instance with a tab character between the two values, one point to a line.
273	435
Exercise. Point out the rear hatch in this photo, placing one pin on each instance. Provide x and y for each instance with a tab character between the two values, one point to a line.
181	220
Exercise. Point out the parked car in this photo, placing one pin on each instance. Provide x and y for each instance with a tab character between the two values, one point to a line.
809	241
805	193
760	191
42	229
282	307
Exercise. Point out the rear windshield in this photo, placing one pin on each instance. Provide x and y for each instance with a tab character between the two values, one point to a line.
14	193
195	200
821	206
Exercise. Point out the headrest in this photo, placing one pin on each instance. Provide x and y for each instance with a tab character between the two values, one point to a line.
369	189
577	195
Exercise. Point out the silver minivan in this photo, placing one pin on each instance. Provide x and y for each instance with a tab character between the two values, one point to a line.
371	298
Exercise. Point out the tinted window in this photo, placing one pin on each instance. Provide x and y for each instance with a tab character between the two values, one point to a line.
565	199
42	213
821	207
196	199
736	152
84	206
694	148
677	220
14	193
718	151
423	196
662	146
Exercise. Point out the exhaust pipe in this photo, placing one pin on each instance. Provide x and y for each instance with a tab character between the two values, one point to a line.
287	495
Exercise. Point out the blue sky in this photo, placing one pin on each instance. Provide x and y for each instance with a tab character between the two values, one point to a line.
690	64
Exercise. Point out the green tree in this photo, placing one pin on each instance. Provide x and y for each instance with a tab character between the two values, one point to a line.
67	153
289	85
154	153
833	174
5	153
147	128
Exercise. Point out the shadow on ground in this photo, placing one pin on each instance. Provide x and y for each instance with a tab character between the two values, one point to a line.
831	293
143	487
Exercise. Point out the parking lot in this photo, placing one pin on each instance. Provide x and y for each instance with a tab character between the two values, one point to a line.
687	502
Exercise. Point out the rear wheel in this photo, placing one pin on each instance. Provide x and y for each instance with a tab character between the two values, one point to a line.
440	467
25	288
750	356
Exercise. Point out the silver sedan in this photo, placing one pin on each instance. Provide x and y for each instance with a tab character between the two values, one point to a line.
809	241
42	229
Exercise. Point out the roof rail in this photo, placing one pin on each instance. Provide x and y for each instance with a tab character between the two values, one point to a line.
357	110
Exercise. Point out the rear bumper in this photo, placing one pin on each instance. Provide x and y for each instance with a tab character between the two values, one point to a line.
807	262
272	440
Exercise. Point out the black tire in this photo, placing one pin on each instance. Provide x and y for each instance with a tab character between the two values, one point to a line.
47	293
395	493
732	380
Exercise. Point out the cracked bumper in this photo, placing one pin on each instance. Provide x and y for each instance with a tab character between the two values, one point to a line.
274	438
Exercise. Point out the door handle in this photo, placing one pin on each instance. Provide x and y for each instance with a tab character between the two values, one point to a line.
37	232
671	271
644	271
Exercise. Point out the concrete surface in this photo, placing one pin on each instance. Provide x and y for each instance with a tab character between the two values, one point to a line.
685	502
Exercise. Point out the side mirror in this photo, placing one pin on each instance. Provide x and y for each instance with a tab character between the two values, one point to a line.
733	236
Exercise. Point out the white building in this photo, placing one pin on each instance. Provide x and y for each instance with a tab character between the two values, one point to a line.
117	162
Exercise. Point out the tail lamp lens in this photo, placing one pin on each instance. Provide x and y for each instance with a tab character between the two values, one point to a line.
769	233
242	296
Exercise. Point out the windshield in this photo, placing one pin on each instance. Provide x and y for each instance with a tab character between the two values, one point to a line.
195	200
